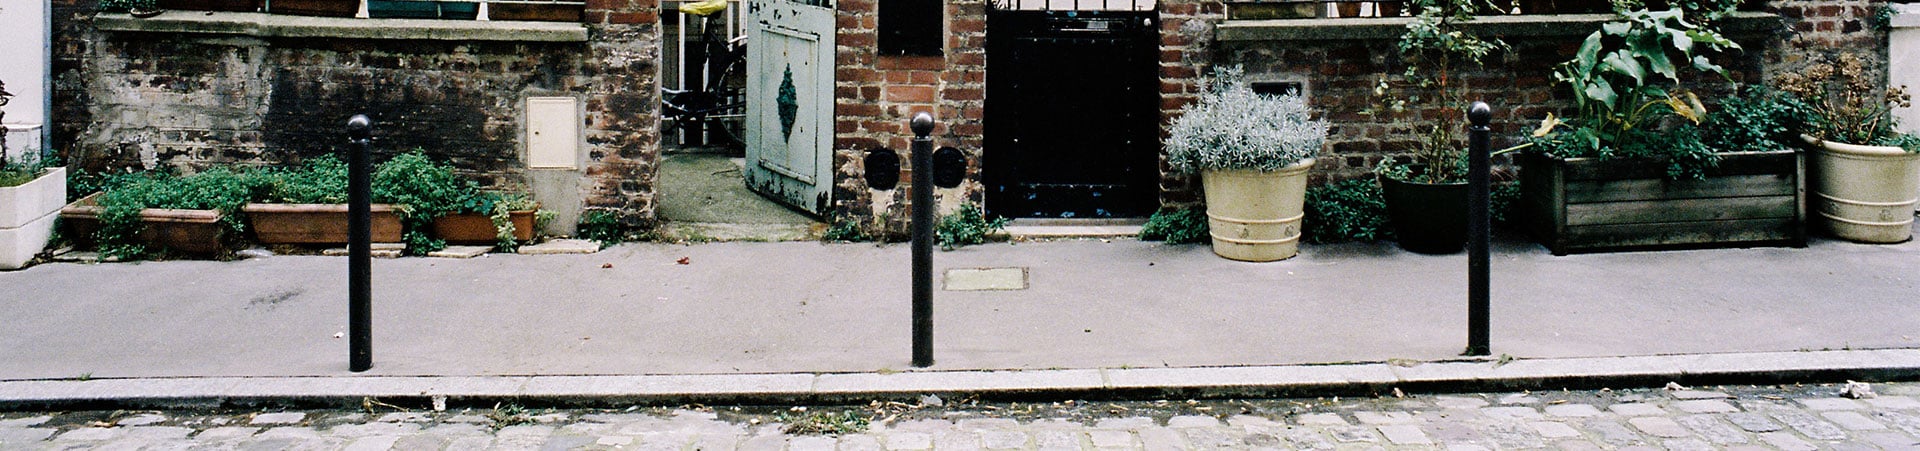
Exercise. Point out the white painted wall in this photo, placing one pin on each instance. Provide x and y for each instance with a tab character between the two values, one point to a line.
1903	60
23	66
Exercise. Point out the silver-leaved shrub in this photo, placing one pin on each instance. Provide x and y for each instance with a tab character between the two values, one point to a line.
1232	127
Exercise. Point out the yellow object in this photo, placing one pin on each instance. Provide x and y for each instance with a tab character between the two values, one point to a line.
1255	216
704	8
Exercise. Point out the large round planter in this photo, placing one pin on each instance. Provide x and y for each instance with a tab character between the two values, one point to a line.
1428	218
1255	215
1865	193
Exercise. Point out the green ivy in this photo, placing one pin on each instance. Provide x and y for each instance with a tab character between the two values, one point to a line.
424	191
1182	226
603	227
966	227
219	189
1352	210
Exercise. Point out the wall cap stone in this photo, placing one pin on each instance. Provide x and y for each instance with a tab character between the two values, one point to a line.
1905	15
1364	28
282	26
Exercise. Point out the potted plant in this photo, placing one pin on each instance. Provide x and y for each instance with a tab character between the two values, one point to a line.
307	205
502	219
1253	152
537	10
30	194
1642	165
1427	200
211	5
140	214
1865	173
323	8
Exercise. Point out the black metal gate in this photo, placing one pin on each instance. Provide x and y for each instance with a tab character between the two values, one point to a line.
1072	113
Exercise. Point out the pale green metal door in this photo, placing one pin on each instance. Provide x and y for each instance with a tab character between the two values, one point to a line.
789	123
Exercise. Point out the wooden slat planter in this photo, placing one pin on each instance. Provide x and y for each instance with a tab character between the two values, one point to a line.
1586	204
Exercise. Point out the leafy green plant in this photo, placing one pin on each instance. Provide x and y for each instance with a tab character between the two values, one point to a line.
1623	80
1756	120
318	180
1851	107
846	231
603	227
216	189
1435	47
423	190
1353	210
1182	226
824	423
965	227
1232	127
128	5
499	208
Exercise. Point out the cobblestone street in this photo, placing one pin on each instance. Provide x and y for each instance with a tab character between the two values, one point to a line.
1791	417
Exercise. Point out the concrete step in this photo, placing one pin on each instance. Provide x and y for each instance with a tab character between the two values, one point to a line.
1037	228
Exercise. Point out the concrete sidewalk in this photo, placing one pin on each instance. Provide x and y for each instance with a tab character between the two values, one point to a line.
808	308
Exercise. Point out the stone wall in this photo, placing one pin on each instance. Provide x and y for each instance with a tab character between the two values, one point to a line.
192	100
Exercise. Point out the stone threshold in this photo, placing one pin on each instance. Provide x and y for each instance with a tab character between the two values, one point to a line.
283	26
1043	228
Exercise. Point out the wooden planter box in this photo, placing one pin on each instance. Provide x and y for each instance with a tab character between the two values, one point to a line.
475	228
315	223
1585	204
537	11
211	5
190	231
325	8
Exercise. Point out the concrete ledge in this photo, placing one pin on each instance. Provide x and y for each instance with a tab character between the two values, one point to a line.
280	26
1742	24
1109	383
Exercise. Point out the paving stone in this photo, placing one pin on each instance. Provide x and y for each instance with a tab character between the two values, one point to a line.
1753	422
860	442
375	443
1250	420
1553	429
1352	434
1512	436
1698	394
1129	423
1404	434
373	429
1905	422
156	432
1662	427
1111	438
141	420
813	443
954	440
1373	417
1786	441
1853	421
928	425
1749	448
404	417
461	252
1891	440
1572	411
1264	438
15	436
25	422
1637	409
226	433
898	440
1688	444
999	439
1311	440
289	432
981	424
1577	445
1515	412
1882	402
1809	426
1192	421
1519	398
1157	439
1832	404
1209	438
561	247
278	418
1761	405
1705	406
1459	402
1467	447
1712	429
1320	419
89	434
1452	432
615	441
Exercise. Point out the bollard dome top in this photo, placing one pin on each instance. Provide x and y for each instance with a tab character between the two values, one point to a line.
359	126
1480	114
922	124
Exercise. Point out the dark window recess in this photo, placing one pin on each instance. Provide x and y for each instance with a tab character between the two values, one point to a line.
1278	88
911	27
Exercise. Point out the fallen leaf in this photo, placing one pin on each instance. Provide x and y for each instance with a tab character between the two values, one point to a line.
606	265
684	260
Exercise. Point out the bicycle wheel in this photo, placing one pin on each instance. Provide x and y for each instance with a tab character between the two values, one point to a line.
730	91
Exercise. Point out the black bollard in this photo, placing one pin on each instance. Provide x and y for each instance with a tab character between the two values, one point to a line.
1478	227
359	244
922	240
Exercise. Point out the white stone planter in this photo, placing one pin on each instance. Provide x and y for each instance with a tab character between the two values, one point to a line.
26	216
1255	216
1865	193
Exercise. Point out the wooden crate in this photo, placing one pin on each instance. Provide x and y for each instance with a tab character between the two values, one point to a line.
1586	204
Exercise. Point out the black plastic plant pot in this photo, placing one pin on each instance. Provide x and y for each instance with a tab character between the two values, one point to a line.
1428	218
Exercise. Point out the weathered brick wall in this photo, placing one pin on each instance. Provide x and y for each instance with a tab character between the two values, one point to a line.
191	101
1187	50
876	95
1824	29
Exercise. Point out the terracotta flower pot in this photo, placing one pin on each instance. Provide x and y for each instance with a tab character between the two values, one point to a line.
315	223
475	228
211	5
325	8
544	12
191	231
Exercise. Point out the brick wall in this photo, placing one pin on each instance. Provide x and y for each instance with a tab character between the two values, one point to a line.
191	101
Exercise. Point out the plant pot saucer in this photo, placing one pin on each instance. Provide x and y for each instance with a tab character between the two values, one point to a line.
141	13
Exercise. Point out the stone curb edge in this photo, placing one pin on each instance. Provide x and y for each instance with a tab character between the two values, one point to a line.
1357	379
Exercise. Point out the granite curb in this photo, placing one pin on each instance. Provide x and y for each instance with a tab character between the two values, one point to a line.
1343	379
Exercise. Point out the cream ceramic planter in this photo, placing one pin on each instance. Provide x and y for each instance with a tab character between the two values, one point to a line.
1865	193
1254	215
26	216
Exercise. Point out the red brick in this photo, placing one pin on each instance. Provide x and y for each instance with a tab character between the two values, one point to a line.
912	62
645	17
967	25
856	74
962	94
899	76
857	40
907	94
922	77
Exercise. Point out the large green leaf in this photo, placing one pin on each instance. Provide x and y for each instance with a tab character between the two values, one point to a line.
1622	62
1589	51
1601	91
